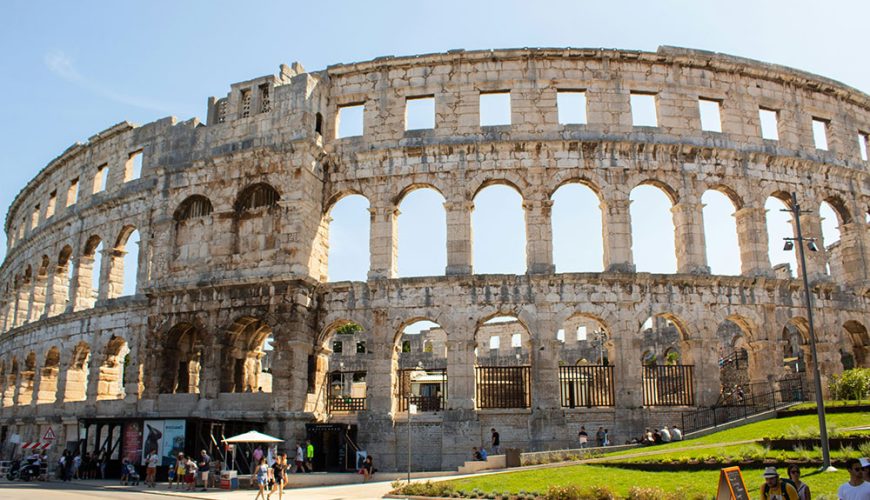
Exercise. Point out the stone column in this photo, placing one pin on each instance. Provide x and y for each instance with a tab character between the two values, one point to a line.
460	374
82	290
105	273
689	237
546	393
114	284
38	296
852	252
627	352
57	294
459	237
539	236
702	354
752	239
811	227
383	242
21	303
616	227
381	366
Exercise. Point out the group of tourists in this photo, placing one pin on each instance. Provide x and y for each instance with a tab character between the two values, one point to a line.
185	471
73	465
273	478
793	488
602	437
658	436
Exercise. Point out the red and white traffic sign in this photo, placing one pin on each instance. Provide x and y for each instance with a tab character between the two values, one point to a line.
49	435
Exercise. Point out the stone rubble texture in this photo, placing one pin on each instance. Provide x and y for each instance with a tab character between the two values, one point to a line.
211	288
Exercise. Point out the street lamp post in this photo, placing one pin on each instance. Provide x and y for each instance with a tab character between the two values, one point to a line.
795	209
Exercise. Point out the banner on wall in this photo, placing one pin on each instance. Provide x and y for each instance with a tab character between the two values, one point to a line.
173	440
131	442
153	438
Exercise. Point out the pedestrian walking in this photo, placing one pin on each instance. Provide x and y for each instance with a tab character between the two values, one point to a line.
262	474
204	464
278	476
599	437
496	442
803	491
583	437
776	489
855	488
151	462
299	459
309	456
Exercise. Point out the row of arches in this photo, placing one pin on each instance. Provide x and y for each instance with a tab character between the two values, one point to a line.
422	360
74	281
579	217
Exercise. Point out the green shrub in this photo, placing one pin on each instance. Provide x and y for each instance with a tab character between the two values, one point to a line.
852	384
427	489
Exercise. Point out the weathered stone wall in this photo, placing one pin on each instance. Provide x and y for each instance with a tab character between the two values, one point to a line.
234	224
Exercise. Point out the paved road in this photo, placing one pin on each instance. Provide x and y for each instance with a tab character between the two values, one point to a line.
99	489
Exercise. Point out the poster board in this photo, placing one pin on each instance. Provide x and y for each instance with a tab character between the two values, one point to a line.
731	485
153	438
173	440
131	443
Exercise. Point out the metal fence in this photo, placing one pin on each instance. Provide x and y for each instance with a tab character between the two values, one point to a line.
668	385
586	385
791	390
424	402
503	386
341	395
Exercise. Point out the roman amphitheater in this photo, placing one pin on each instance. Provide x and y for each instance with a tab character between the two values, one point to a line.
235	324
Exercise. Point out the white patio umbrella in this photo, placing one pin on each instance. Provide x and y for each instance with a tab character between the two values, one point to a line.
250	437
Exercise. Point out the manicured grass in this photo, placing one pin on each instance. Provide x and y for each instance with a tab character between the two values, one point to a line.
622	480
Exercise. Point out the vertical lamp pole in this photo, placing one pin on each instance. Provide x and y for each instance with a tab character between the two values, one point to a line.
412	408
795	209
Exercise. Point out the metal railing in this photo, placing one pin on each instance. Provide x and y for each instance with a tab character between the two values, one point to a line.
586	385
433	402
668	385
791	390
503	386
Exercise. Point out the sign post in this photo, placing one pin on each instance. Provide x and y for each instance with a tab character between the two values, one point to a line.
731	485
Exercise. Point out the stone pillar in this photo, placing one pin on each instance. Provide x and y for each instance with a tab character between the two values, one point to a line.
702	354
381	366
105	273
114	284
811	227
689	237
22	303
459	237
546	393
460	374
616	227
853	249
627	351
383	242
539	236
37	297
752	239
57	294
82	290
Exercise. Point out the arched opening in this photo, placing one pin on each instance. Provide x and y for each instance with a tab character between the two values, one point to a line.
585	371
193	222
795	347
779	226
48	379
420	357
734	377
77	374
503	368
28	376
346	348
182	361
11	383
125	264
652	230
855	352
720	234
833	215
499	229
578	244
668	375
422	234
348	224
257	221
110	384
247	354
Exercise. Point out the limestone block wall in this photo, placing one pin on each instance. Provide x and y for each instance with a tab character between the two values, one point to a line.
232	290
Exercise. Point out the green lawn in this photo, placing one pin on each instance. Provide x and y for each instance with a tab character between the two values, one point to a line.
701	483
695	484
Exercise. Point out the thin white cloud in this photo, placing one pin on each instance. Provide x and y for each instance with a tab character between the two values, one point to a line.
62	65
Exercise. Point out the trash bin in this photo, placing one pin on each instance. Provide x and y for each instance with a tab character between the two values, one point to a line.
229	480
512	457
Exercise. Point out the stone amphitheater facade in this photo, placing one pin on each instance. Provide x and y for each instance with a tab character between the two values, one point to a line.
233	217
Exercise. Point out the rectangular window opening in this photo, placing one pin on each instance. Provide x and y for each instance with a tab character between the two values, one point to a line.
72	194
643	110
581	333
133	169
711	118
101	178
820	133
34	218
420	113
336	346
516	340
361	347
246	103
349	121
495	109
265	100
769	125
560	335
863	141
52	203
571	105
494	342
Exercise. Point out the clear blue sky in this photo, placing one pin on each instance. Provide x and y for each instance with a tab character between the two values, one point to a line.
71	69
